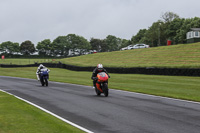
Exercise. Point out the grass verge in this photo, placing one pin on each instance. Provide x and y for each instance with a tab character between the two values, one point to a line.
16	116
19	61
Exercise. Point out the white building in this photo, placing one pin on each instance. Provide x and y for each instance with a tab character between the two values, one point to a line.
193	35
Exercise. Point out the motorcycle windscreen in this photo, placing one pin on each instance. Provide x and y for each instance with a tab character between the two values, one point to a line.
102	77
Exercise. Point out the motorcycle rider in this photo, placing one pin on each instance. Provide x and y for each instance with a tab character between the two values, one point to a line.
39	69
97	70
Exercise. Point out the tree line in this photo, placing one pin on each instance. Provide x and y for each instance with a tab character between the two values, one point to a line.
62	45
169	27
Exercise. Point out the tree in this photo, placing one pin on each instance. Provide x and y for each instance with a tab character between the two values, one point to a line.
78	43
154	34
44	47
187	24
83	45
27	48
172	28
9	47
169	16
96	44
104	46
170	24
136	39
60	46
125	43
113	43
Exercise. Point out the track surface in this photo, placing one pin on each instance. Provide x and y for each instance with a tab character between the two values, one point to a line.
120	112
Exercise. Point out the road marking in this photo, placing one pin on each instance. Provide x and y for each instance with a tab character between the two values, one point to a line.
181	100
49	112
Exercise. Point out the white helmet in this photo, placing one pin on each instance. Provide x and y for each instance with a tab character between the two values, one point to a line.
41	66
100	67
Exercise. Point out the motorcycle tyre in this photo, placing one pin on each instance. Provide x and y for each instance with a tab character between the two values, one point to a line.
97	91
46	82
105	89
42	82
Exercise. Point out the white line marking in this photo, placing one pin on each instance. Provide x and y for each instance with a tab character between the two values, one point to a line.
157	96
71	123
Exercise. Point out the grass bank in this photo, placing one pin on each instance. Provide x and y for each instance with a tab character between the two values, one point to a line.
174	56
178	56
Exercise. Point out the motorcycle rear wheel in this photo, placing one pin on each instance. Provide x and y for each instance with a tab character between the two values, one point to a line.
42	82
46	81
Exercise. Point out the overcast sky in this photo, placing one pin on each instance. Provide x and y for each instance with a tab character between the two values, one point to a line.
36	20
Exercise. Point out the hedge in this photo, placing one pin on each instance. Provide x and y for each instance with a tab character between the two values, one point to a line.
120	70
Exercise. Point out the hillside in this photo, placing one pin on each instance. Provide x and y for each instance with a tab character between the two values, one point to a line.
182	55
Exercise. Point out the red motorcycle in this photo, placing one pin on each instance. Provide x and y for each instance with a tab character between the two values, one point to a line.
102	84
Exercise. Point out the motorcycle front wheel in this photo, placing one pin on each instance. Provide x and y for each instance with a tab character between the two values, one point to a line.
105	89
97	91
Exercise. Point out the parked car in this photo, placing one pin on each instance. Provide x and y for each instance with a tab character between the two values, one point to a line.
128	47
140	46
125	48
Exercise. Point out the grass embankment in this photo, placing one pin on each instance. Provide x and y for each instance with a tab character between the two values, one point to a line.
178	56
16	116
181	87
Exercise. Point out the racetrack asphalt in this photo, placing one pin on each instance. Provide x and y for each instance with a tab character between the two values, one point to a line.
120	112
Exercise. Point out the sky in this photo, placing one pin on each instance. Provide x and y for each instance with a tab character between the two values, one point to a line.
36	20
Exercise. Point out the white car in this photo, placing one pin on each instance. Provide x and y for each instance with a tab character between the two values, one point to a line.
140	46
128	47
